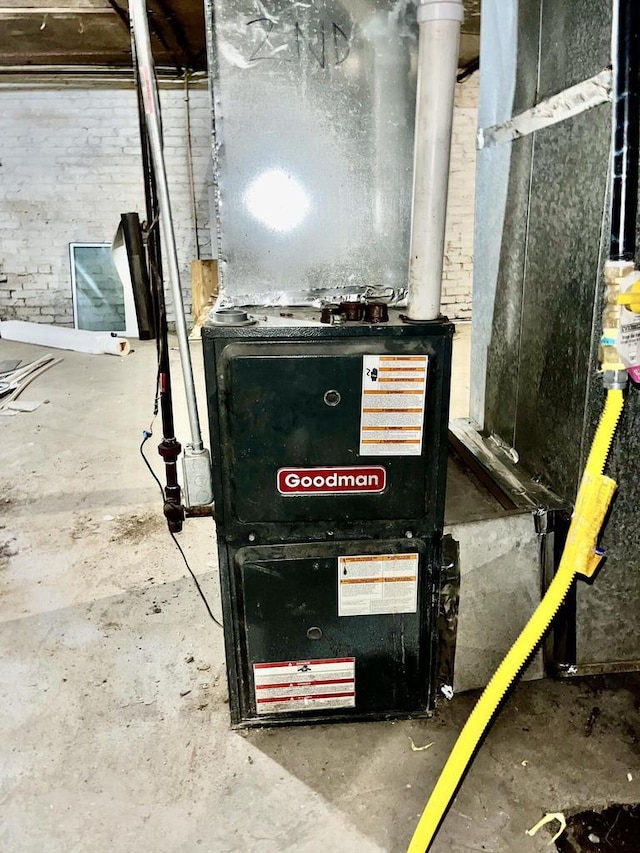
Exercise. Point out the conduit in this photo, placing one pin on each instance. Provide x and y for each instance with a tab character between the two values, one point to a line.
146	71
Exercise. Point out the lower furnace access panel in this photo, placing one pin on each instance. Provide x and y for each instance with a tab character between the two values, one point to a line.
329	459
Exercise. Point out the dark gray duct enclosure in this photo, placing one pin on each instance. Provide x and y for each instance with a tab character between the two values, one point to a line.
542	237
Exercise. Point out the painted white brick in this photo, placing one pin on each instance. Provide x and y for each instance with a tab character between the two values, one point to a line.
71	164
458	262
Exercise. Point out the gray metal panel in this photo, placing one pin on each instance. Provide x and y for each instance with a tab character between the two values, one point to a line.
608	610
571	40
559	395
506	88
575	43
499	575
314	111
565	224
506	322
526	93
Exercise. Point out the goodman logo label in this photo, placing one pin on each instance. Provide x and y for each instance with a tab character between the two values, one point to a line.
331	481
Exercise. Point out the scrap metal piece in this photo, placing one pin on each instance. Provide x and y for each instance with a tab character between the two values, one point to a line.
549	818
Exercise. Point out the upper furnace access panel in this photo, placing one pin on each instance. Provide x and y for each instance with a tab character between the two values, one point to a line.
317	423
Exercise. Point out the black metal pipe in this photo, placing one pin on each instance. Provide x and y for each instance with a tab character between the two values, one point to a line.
626	129
169	448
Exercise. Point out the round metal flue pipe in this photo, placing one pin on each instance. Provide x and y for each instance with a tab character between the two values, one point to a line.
439	22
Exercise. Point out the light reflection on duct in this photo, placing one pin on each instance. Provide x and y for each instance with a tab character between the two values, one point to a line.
277	200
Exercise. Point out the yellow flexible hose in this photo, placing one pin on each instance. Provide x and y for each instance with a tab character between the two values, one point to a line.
579	557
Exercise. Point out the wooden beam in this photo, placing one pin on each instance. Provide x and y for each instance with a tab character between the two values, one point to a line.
58	11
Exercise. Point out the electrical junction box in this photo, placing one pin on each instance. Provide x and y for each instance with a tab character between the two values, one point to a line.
329	448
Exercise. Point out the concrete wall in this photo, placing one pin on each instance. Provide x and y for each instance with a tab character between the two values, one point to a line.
458	261
70	164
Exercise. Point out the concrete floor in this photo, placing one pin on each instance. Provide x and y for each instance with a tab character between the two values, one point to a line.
102	748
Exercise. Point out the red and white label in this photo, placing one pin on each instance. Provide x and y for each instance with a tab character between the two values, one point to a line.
332	481
306	685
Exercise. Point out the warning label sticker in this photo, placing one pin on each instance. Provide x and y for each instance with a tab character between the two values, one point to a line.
305	685
384	583
394	389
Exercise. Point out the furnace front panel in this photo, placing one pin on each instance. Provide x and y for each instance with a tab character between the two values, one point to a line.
329	455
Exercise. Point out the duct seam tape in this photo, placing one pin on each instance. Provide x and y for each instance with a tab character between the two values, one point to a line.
440	10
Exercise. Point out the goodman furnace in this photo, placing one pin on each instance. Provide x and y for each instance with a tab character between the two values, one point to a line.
329	462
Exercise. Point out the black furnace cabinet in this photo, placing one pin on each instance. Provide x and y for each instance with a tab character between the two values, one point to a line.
329	463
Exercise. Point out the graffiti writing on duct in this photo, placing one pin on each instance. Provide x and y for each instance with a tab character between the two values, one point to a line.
287	41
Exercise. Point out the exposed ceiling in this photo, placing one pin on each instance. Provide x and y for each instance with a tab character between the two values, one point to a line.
470	35
95	33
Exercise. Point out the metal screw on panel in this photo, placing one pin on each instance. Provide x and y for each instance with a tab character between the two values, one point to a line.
252	537
329	532
314	633
316	566
408	534
332	397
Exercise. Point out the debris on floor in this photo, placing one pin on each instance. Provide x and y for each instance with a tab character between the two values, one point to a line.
12	384
415	748
616	828
593	716
549	818
24	406
9	365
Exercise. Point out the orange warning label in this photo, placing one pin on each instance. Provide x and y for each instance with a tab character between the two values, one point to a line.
393	402
377	584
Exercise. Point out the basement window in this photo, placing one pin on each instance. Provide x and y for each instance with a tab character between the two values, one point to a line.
100	301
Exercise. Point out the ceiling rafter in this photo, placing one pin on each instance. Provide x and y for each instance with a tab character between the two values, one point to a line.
178	31
123	14
68	32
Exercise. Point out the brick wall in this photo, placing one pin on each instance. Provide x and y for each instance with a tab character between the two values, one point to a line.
69	165
458	260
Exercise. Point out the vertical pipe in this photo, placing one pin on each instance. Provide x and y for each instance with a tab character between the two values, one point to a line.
626	129
625	47
169	448
439	22
146	69
192	186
